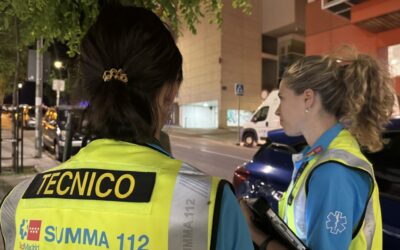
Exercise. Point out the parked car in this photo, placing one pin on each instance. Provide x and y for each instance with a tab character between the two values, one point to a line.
29	119
54	129
268	175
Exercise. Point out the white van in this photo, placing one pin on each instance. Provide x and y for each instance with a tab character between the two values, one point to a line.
263	120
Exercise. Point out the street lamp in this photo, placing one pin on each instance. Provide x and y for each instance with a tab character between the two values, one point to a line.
58	84
58	64
18	91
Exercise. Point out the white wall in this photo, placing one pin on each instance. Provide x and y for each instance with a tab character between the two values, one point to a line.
193	116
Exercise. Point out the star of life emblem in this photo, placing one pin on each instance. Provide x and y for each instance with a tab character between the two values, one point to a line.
336	222
23	229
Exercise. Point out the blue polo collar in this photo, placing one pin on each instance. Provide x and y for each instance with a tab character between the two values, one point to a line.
156	145
321	144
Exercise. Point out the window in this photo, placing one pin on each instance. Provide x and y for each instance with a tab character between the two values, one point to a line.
394	60
261	115
269	45
269	74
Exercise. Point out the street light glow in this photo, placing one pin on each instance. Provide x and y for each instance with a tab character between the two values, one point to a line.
58	64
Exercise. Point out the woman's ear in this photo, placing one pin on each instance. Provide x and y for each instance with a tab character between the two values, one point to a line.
164	102
170	94
309	98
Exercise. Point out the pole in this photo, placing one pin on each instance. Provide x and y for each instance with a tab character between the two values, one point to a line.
38	98
238	114
15	99
58	98
22	146
68	137
17	140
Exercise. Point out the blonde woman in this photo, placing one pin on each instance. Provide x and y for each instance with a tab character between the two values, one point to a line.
338	104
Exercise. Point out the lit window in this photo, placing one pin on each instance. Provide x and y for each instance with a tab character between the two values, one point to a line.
394	60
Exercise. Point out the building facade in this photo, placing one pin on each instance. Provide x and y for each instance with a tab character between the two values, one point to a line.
372	26
247	49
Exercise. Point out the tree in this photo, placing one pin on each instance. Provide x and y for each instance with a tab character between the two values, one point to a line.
11	55
66	21
6	66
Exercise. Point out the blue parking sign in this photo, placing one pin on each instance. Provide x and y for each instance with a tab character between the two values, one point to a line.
239	89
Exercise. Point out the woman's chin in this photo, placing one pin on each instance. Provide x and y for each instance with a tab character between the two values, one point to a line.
291	133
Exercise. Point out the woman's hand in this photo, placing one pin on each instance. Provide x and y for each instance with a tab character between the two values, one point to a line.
257	235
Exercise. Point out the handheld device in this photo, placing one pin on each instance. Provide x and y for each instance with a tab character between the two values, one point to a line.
269	222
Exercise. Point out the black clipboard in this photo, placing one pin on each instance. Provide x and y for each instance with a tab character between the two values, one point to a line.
269	222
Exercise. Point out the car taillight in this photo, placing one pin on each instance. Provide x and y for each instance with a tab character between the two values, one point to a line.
241	174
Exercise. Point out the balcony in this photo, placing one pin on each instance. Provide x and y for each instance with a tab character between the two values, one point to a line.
340	7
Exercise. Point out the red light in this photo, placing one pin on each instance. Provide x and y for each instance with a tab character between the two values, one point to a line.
241	174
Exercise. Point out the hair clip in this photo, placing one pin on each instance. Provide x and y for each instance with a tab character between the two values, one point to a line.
119	75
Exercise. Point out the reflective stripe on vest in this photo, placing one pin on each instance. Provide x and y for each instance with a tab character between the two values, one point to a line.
188	223
369	236
369	224
347	158
8	209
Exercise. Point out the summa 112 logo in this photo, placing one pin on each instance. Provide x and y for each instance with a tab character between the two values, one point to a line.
30	229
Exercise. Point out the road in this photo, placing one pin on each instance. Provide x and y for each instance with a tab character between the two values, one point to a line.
212	157
208	154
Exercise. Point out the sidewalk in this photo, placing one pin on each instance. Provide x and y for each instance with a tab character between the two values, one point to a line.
31	165
225	136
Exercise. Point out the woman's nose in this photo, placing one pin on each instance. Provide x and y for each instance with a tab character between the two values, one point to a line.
278	110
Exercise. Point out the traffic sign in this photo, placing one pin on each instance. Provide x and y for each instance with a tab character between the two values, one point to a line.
58	85
239	89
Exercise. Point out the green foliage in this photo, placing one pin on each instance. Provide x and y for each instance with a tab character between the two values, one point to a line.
8	51
54	20
67	20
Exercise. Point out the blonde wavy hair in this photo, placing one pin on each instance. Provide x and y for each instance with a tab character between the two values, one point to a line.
354	87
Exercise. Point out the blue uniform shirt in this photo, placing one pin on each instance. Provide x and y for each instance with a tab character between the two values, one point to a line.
336	199
233	232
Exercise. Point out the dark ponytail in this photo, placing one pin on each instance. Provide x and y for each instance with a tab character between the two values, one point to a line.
135	41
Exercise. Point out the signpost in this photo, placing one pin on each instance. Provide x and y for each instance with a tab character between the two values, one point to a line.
58	85
239	91
38	98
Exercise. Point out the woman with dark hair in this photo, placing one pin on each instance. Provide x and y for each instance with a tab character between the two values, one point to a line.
123	190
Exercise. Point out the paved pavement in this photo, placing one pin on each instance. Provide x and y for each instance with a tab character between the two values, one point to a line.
225	136
31	164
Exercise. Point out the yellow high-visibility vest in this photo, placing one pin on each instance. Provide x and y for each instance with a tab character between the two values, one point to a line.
113	195
343	149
